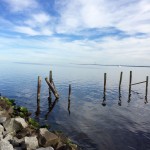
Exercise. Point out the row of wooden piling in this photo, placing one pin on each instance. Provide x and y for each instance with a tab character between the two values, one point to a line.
130	87
52	88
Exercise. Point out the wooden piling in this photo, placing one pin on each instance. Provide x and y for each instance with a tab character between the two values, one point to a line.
104	83
50	79
69	94
120	81
52	88
130	84
50	76
38	90
146	91
104	97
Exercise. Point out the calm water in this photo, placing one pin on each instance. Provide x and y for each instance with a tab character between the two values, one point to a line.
86	122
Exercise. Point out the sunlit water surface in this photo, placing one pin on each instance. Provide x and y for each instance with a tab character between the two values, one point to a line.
84	119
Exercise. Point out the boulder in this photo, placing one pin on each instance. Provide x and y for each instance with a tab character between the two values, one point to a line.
31	142
8	137
17	142
26	132
17	148
1	129
14	124
47	138
5	145
21	122
47	148
2	119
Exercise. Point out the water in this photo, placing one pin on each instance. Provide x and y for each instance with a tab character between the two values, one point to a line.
86	122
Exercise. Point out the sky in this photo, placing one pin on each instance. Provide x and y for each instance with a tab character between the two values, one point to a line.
75	31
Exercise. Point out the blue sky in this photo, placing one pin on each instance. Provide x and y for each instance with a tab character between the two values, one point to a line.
75	31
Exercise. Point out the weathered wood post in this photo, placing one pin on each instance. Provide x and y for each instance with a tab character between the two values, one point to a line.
69	94
146	91
50	79
130	84
104	98
119	102
104	83
120	81
38	90
38	95
52	88
50	76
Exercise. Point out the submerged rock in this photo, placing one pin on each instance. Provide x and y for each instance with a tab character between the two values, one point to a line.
47	138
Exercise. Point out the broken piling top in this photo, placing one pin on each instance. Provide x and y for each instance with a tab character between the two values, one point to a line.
53	89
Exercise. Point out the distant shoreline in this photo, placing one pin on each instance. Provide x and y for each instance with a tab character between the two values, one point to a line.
29	63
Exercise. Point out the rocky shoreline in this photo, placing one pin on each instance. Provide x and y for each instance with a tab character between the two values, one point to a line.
20	132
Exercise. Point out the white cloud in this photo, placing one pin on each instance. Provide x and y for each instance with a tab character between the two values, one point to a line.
32	32
26	30
129	51
21	5
38	19
131	16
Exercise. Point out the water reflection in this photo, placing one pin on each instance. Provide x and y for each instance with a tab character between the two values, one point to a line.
69	95
130	124
119	102
69	106
104	100
51	106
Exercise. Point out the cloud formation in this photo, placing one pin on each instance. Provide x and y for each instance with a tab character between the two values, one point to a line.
99	30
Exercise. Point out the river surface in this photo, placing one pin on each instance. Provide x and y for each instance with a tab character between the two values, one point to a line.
84	119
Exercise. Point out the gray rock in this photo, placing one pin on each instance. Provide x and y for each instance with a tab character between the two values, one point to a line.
21	122
47	148
47	138
8	137
1	136
2	119
17	142
3	112
14	124
5	145
1	129
17	148
31	142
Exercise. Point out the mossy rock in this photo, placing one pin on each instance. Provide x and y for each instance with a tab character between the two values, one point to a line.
33	123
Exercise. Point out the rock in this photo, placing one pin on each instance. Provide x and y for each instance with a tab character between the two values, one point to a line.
1	132
21	122
14	124
3	113
60	146
1	129
47	148
47	138
2	119
5	145
26	132
8	137
31	142
17	148
17	142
